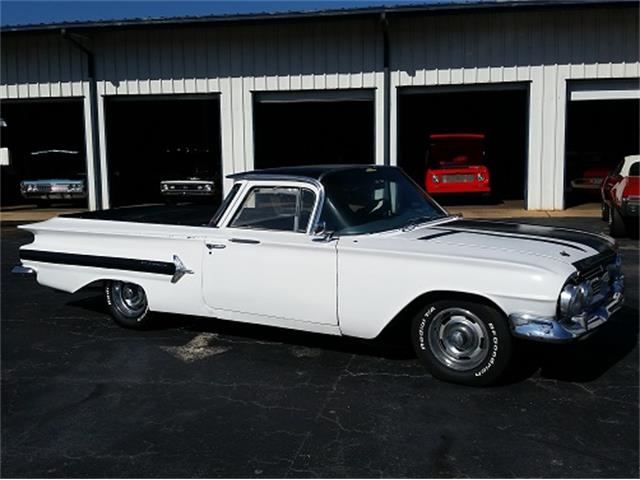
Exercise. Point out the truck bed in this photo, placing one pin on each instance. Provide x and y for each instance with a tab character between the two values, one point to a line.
190	215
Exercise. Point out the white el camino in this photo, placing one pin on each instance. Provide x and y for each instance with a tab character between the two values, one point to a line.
344	250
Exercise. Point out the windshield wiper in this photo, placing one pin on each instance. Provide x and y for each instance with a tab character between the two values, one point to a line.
414	222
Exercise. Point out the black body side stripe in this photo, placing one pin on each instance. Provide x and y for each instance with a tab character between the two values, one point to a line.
115	263
522	237
436	235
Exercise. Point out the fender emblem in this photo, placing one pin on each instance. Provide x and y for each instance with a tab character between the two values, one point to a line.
181	269
564	254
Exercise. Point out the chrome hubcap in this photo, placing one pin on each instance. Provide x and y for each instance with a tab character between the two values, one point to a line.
129	298
458	339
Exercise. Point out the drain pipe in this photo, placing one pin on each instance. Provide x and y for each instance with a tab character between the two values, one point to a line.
93	99
386	88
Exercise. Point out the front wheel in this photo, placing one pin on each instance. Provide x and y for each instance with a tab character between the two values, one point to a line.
127	303
462	342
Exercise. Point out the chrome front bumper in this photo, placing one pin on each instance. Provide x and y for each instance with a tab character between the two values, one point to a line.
550	329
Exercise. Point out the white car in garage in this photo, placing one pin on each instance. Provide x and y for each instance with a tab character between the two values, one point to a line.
345	250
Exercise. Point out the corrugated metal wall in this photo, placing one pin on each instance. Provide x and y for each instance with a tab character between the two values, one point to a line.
543	49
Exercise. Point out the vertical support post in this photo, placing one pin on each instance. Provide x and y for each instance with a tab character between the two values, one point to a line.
93	112
386	87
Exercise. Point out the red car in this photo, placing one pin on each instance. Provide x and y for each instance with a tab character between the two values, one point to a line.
621	196
456	164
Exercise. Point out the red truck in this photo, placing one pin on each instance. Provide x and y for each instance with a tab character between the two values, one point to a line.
456	164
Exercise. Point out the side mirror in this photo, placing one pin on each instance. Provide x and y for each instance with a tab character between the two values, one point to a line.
319	229
321	234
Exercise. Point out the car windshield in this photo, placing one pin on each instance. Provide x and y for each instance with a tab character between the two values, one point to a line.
374	199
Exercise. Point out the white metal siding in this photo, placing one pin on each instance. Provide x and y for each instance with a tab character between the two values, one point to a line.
542	48
545	49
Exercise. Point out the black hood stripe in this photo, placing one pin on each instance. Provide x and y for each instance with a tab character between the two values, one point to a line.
559	236
436	235
519	237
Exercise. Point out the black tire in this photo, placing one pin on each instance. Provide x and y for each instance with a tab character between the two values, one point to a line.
127	303
605	212
482	329
617	226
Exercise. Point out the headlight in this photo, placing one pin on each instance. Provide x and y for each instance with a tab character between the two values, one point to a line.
164	187
435	179
480	177
574	299
208	187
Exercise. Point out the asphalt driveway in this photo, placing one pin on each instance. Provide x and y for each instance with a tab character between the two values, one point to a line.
196	397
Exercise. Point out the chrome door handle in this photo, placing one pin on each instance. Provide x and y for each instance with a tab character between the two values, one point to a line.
244	240
215	246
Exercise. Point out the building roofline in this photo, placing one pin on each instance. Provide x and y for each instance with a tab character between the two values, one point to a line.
449	7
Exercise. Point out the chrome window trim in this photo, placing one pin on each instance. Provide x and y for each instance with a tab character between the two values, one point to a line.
256	180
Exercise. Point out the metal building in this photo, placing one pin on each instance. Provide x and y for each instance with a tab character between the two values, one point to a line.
376	72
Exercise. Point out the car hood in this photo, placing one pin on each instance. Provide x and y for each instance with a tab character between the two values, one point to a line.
510	241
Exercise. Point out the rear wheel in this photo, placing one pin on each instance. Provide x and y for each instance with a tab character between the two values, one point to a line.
616	223
128	304
462	342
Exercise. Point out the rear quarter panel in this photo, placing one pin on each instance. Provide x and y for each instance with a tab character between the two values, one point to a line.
122	240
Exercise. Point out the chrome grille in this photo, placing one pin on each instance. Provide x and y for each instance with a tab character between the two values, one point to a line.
457	178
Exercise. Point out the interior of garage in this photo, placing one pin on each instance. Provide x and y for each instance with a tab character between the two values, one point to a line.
44	140
307	131
600	133
501	116
161	138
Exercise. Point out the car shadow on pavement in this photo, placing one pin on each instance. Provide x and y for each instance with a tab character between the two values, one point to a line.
580	361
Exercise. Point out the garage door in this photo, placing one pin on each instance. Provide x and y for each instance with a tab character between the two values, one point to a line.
602	128
468	144
314	127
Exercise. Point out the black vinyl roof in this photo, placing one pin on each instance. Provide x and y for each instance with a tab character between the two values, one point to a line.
444	7
315	172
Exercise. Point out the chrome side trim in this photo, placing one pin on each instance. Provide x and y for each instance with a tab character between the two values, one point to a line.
22	270
181	269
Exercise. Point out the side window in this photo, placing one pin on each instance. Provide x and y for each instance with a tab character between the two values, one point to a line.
276	208
634	170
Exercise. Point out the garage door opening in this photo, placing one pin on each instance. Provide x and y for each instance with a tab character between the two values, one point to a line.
163	150
314	128
450	141
600	133
43	153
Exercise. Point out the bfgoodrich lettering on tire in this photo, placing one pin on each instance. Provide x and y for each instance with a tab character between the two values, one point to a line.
127	303
463	342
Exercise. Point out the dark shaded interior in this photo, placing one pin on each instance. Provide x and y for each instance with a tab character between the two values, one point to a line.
308	133
600	133
150	140
500	115
36	126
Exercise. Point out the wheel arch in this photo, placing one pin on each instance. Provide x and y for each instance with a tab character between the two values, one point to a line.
403	318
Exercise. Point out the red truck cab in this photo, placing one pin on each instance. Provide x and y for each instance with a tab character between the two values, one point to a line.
456	164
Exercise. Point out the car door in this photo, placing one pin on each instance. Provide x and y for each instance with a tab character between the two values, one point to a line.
263	260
